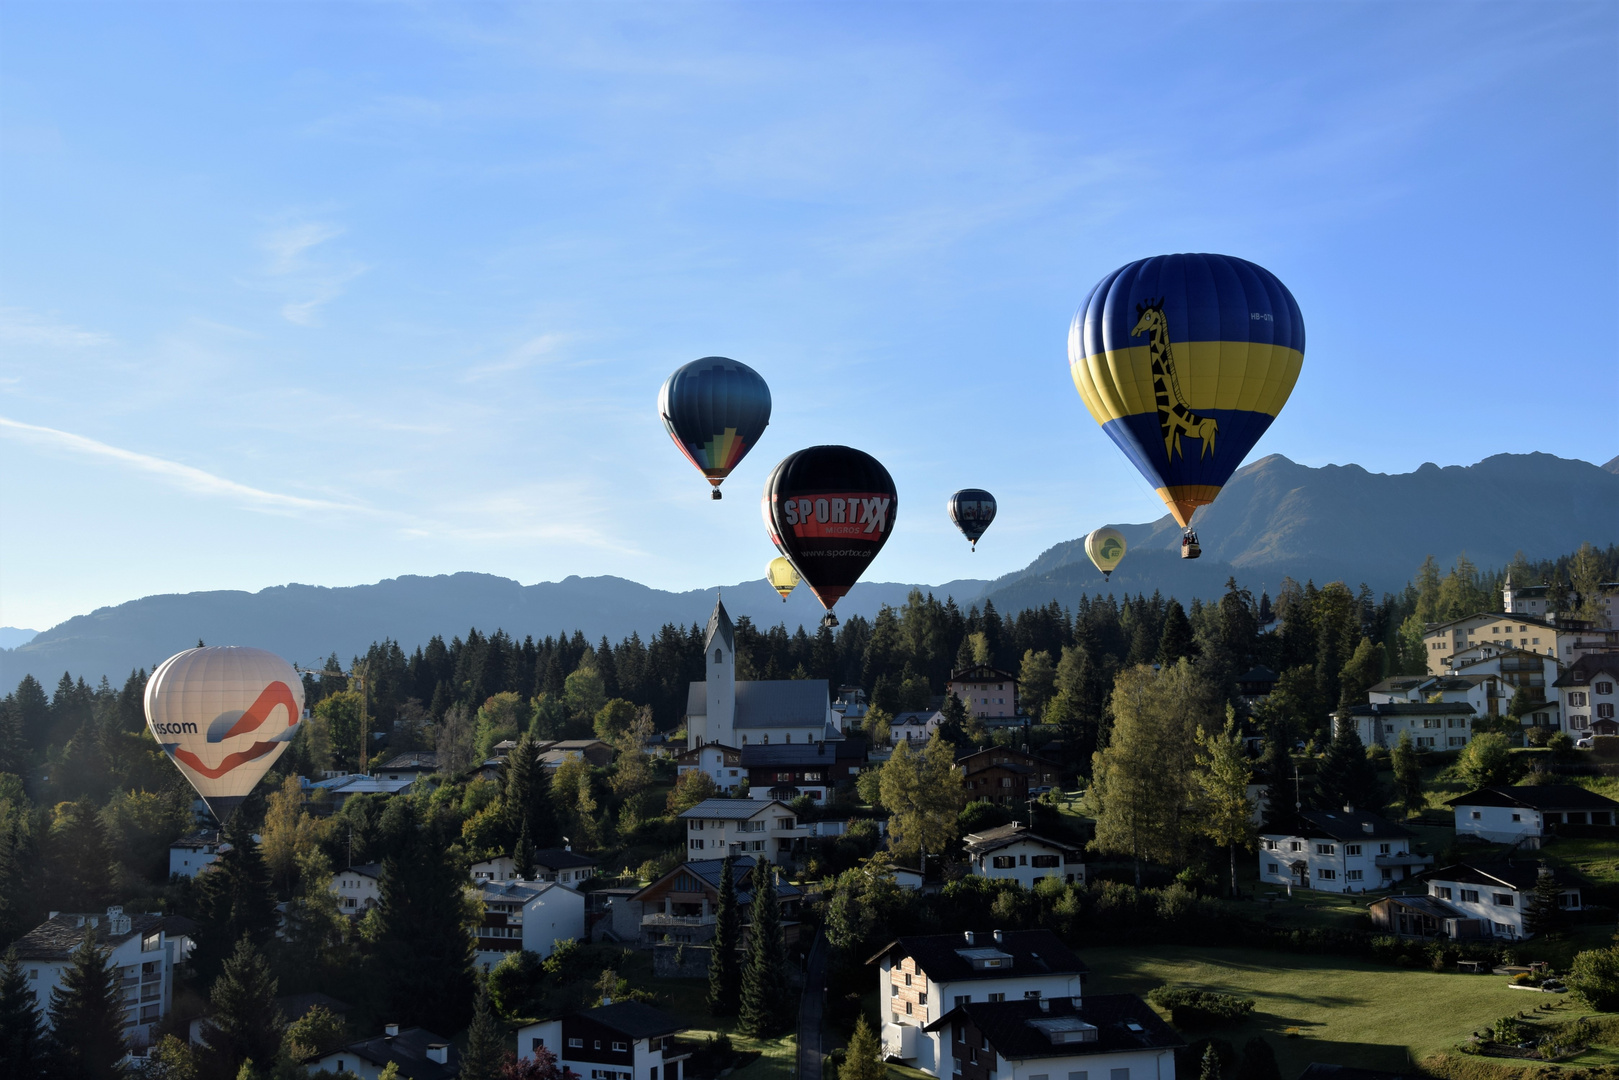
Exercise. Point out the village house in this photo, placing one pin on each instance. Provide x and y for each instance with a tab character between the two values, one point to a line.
527	915
1509	815
1016	853
681	905
1466	902
1539	601
723	764
410	765
623	1040
190	855
915	728
344	787
1006	777
415	1052
716	828
358	888
1432	726
137	947
722	709
550	864
1488	632
1505	670
920	979
1112	1036
590	751
1340	851
785	772
985	691
1587	690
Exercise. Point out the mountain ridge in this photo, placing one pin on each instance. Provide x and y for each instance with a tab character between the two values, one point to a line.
1275	518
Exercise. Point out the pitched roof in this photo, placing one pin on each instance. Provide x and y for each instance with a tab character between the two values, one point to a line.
370	870
560	859
917	718
408	1050
1585	669
1032	951
719	623
1431	906
1517	617
1519	876
982	673
411	759
790	754
729	809
1537	797
58	936
635	1019
708	872
1351	825
1023	1029
694	752
1258	674
982	843
520	891
770	703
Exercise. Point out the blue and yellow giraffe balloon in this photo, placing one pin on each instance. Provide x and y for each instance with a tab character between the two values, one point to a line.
1185	360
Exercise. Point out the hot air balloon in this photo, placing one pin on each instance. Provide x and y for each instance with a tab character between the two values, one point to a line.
1185	360
223	715
1105	546
972	509
830	510
715	409
783	578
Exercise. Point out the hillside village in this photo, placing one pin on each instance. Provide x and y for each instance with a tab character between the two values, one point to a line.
1102	843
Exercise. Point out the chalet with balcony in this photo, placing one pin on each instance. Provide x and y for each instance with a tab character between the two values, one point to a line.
1007	777
986	692
1340	851
528	915
716	828
1016	853
1526	814
1467	902
681	905
1117	1036
786	771
625	1040
137	947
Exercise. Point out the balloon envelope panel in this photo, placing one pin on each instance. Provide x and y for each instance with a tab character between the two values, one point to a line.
224	715
1106	547
830	510
1185	360
715	409
972	510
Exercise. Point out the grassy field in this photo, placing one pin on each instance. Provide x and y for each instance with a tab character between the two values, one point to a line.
1343	1011
687	999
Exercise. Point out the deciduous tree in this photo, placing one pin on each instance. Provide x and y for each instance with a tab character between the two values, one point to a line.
1225	814
923	793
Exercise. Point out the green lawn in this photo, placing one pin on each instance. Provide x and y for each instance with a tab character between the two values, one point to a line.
687	999
1345	1011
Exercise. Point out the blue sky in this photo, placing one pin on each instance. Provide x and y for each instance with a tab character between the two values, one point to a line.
332	293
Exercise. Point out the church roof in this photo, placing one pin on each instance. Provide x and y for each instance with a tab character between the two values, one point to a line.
775	703
719	624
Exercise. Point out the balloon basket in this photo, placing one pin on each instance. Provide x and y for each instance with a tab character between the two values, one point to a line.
716	494
829	620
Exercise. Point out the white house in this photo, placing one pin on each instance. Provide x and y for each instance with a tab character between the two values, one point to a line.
1496	896
190	854
1508	815
1536	600
1341	851
1015	853
722	763
1111	1036
527	915
418	1053
1436	726
1588	692
914	727
1487	632
920	979
716	828
550	864
138	948
720	709
625	1040
358	888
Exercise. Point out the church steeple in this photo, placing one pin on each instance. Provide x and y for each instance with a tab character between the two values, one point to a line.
720	663
719	625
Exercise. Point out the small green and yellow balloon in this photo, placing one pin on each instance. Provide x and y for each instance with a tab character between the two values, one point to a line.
783	577
1105	546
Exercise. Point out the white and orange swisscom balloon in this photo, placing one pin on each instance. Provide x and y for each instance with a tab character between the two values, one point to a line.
223	715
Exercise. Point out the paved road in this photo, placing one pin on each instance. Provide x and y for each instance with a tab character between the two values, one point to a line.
811	1051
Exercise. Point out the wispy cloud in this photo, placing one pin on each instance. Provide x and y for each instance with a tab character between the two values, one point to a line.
539	349
19	327
314	283
186	477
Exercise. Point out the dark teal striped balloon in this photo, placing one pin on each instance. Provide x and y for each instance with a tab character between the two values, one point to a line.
715	409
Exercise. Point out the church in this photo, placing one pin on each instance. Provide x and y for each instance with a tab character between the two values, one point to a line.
774	712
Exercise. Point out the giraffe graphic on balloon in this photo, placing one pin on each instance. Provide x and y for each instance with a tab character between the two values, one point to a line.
1175	415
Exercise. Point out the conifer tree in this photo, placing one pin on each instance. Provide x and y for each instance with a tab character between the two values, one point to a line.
482	1058
243	1023
1407	773
763	1009
23	1043
422	960
234	901
864	1058
1176	640
1210	1069
87	1017
1346	777
523	855
724	971
528	803
1543	914
78	860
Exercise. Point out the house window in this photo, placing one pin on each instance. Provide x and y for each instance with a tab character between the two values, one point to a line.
1576	698
1351	849
1083	1074
620	1047
1503	900
1043	860
1272	868
1603	688
907	980
1326	875
1120	1074
1477	815
1002	862
1023	860
997	997
719	657
1382	849
1441	891
1326	849
1469	896
576	1044
907	1008
962	999
1604	712
1352	875
1517	817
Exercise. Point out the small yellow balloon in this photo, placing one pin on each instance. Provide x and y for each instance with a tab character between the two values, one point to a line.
783	576
1105	546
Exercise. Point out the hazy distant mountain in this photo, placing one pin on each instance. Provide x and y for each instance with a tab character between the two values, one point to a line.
1274	518
12	636
1612	466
